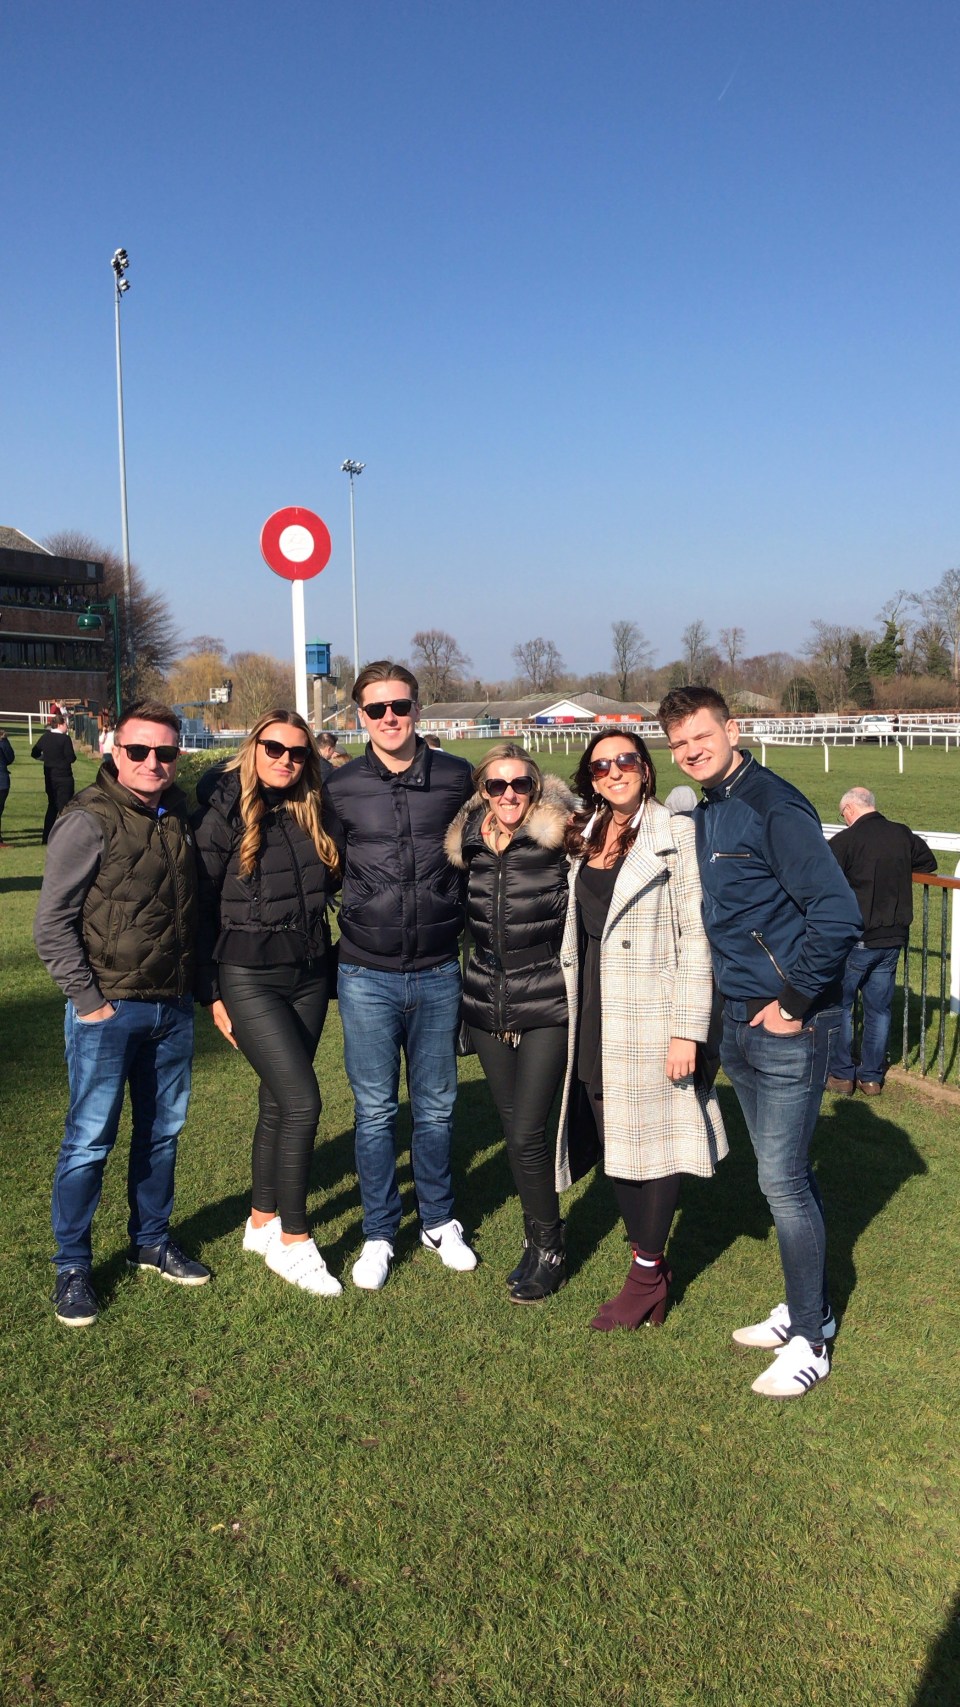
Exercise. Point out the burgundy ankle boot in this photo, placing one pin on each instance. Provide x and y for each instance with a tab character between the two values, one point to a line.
643	1298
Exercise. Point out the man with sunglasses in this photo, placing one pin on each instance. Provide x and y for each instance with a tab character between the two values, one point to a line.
398	984
115	928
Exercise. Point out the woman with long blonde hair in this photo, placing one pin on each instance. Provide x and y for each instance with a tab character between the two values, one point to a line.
268	869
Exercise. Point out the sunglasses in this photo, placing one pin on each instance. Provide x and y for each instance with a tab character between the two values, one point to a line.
399	707
496	786
623	762
276	750
139	753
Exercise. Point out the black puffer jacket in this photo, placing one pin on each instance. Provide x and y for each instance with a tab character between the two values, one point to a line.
288	892
402	905
516	907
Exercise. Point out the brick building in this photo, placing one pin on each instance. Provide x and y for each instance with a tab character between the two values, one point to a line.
43	654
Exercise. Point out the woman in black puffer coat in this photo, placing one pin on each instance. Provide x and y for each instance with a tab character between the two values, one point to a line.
267	871
509	838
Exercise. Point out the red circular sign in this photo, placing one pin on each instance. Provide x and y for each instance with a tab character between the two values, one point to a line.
295	543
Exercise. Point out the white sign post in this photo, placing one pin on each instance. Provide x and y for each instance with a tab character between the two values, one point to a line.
295	543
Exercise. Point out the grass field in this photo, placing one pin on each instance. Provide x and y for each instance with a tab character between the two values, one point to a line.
245	1496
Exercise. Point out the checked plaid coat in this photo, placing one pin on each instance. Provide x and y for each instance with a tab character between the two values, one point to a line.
655	983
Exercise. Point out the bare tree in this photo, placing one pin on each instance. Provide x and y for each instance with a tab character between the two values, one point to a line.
696	647
631	651
539	662
153	637
732	639
829	653
941	604
438	663
259	684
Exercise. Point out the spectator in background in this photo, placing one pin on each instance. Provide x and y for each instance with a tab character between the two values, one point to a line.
7	756
55	750
434	742
878	859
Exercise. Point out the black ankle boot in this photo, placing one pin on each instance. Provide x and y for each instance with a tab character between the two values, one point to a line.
548	1270
528	1258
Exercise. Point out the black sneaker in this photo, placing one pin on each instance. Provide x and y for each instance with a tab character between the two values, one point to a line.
74	1298
169	1262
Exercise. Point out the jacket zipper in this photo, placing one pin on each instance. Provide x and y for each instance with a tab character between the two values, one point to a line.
715	856
760	942
499	1012
171	867
297	880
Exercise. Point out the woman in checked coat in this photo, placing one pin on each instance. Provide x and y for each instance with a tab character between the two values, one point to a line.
640	993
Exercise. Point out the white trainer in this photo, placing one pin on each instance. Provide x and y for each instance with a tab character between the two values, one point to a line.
257	1239
795	1369
450	1245
775	1331
302	1264
372	1267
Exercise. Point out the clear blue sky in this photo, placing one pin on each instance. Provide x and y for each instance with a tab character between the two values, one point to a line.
632	309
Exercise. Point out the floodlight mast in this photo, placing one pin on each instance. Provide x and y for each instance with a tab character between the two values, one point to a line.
354	469
120	263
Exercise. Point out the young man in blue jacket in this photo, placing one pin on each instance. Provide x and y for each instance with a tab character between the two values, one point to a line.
781	920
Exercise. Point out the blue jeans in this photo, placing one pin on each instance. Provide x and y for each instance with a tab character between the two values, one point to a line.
382	1013
779	1082
148	1045
872	971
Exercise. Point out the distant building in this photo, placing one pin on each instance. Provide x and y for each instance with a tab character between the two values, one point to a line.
540	710
43	655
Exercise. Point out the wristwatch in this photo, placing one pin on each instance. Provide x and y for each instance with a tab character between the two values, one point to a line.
783	1013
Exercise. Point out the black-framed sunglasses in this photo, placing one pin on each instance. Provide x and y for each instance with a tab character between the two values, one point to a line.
399	707
495	786
276	750
136	751
623	761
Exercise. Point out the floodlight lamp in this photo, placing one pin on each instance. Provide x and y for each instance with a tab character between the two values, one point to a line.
123	284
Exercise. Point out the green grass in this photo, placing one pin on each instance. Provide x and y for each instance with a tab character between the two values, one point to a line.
242	1495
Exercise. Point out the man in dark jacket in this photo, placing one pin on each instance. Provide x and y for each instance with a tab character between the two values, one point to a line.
878	859
7	758
398	984
115	927
55	749
781	920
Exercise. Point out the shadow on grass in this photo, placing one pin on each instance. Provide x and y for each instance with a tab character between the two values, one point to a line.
940	1683
11	885
861	1159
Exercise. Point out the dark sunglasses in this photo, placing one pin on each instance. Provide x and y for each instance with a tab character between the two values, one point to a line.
399	707
139	753
276	750
623	762
496	786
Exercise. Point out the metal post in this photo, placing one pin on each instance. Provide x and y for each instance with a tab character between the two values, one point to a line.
119	265
353	469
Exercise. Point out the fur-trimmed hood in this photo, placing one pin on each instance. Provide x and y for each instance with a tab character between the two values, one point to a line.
545	823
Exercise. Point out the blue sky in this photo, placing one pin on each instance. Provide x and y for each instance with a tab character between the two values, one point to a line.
640	310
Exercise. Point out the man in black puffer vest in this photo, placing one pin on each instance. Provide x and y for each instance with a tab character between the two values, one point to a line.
115	928
398	985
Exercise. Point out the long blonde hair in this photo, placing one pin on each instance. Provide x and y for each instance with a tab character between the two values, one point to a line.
303	799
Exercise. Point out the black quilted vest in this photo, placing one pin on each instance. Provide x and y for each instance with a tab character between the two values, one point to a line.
140	915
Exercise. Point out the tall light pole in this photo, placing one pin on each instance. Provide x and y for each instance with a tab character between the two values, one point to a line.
120	263
353	469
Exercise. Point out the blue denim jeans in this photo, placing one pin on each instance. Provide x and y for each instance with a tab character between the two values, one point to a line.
872	971
382	1013
148	1045
779	1082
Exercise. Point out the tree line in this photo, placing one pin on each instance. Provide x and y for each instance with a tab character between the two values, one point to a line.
909	658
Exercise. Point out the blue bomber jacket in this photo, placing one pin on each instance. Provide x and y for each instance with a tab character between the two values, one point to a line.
779	913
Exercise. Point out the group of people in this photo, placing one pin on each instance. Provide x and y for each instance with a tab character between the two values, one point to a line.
614	951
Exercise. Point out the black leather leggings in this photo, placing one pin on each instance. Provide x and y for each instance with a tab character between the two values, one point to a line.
277	1014
523	1083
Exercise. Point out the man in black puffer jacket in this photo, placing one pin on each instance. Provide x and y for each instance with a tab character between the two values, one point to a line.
399	979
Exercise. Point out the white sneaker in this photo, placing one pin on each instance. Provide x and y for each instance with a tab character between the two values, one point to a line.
302	1264
795	1369
257	1239
372	1267
450	1245
775	1331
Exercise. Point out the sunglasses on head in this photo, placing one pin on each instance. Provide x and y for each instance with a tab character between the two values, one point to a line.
276	750
623	761
399	707
495	786
136	751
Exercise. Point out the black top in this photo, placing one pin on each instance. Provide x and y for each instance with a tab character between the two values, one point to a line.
594	892
516	906
55	748
878	858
